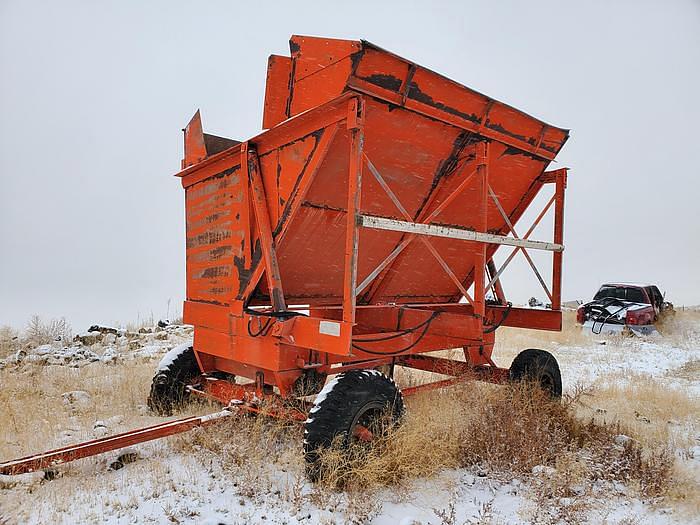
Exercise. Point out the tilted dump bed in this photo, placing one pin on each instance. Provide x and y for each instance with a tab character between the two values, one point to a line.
420	134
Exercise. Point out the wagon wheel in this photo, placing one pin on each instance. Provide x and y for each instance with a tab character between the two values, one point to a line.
353	408
169	385
539	367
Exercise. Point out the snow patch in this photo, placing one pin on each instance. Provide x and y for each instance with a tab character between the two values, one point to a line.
173	354
323	394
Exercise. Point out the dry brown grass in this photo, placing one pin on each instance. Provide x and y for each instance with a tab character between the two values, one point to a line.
251	449
655	412
658	415
34	416
682	328
9	341
502	431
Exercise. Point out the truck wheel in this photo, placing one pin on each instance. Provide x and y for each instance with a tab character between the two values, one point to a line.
354	407
538	366
169	386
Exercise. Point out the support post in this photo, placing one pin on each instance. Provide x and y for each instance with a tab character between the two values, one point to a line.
497	286
482	171
352	235
560	186
262	216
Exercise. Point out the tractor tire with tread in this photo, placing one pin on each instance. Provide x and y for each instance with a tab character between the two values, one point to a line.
540	367
169	385
357	397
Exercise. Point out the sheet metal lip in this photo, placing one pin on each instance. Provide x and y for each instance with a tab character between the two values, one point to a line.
354	91
290	122
452	81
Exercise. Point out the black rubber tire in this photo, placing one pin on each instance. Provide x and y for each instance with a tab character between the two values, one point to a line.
168	388
357	393
538	366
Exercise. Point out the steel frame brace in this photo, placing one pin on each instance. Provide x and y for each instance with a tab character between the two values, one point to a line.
451	232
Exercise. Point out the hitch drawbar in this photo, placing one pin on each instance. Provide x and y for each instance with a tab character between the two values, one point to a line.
54	458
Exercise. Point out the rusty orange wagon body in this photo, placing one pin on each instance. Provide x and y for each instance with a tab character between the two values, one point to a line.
375	201
358	233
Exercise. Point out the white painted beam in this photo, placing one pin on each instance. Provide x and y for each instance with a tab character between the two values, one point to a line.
451	232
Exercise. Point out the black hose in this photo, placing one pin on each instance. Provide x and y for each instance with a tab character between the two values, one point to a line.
264	329
400	333
285	314
425	324
272	316
506	313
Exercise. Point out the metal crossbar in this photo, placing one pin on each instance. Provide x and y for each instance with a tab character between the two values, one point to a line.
518	248
515	234
425	241
451	232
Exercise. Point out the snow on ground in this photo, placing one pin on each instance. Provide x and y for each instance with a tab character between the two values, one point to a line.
167	485
167	488
638	356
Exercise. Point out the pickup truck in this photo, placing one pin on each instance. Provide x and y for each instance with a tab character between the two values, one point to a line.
617	308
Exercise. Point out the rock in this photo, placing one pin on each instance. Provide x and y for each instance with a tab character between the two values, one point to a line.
99	428
109	355
44	350
619	487
161	335
19	356
77	400
126	457
65	437
37	359
579	490
163	323
114	420
109	339
89	338
621	439
102	329
145	331
543	470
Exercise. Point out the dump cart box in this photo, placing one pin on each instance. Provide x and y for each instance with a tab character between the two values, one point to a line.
378	182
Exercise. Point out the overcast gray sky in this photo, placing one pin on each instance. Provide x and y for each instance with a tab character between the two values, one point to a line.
93	96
